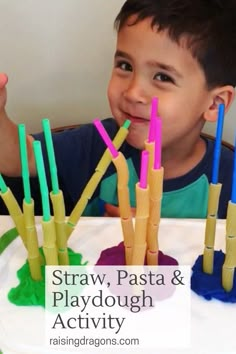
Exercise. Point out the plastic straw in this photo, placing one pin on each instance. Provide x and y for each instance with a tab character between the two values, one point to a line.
24	163
157	154
51	155
3	186
233	195
151	136
105	138
144	170
42	180
217	148
100	169
126	124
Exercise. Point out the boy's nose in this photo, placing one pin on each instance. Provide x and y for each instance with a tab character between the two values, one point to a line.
135	92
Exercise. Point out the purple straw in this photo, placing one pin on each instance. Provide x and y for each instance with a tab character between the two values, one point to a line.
144	169
157	154
151	136
233	194
105	138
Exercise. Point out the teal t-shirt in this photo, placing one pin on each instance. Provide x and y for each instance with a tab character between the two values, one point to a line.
183	197
78	152
187	202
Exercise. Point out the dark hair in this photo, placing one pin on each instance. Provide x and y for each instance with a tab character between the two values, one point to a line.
208	25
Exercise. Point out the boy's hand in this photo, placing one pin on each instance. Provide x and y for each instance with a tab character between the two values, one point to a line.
113	211
10	163
3	91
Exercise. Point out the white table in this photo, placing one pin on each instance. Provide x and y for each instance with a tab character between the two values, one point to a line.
213	324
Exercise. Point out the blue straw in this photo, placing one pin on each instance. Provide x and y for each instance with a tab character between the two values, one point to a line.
233	195
217	149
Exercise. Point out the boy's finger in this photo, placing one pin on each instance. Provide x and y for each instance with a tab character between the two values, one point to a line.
113	210
3	80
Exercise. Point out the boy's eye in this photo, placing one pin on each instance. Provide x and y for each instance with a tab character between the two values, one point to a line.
123	65
163	77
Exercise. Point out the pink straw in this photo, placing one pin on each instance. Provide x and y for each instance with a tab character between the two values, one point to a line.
105	138
144	169
151	136
158	135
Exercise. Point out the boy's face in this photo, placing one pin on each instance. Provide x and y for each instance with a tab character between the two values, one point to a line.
148	63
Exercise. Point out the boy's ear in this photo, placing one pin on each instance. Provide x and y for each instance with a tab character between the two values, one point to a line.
223	94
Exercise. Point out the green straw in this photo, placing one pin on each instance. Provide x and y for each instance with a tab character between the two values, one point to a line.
51	155
42	180
3	186
126	124
24	162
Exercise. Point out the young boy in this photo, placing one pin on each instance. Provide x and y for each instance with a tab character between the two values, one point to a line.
182	52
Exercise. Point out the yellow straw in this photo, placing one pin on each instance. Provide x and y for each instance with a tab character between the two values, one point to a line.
230	254
213	203
155	197
15	212
34	258
99	172
124	205
59	220
49	242
141	219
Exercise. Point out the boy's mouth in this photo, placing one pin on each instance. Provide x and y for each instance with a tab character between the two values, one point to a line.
136	119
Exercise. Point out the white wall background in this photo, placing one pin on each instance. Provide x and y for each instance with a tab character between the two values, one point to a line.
58	55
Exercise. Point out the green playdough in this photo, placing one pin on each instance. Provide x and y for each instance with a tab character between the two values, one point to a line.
30	292
7	238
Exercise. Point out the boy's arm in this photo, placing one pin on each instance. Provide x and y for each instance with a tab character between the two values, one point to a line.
10	164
